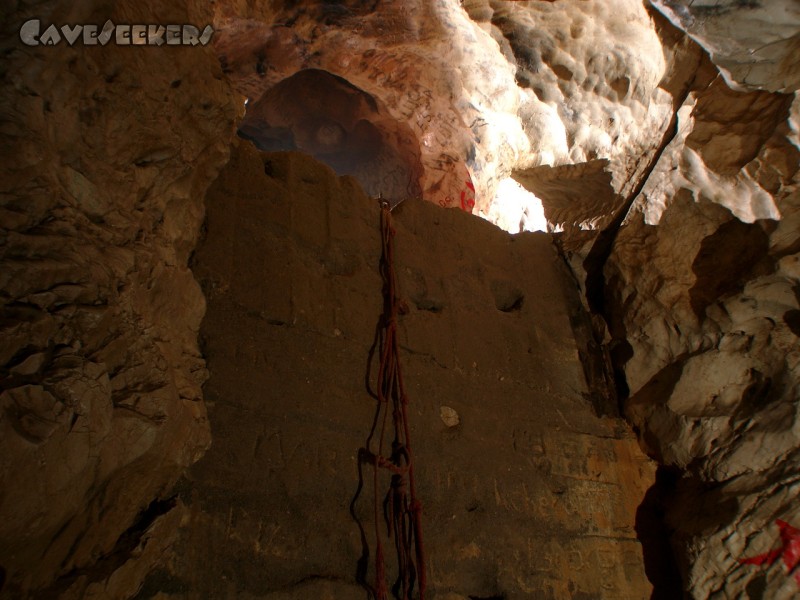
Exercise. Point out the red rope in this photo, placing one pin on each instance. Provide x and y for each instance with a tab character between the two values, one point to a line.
402	510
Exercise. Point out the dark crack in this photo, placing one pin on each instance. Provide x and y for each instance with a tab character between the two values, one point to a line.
122	551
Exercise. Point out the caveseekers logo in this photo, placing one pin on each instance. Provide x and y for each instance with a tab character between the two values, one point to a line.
31	34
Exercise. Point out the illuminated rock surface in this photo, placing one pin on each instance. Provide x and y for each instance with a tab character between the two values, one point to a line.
673	189
755	44
487	90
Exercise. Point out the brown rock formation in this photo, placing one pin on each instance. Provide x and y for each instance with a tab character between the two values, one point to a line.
701	311
669	174
526	492
107	152
327	117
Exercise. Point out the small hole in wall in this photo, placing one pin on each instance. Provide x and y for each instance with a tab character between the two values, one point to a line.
513	304
756	587
507	297
429	304
792	319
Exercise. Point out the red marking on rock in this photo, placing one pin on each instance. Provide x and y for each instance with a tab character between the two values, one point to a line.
789	550
468	195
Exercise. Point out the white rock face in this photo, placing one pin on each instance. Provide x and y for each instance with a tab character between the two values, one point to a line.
702	291
682	167
756	45
486	88
516	209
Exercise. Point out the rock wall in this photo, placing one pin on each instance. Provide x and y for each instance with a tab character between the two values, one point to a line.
526	492
755	44
666	163
485	88
107	152
702	291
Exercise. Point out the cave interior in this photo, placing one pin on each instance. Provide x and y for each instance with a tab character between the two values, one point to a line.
249	256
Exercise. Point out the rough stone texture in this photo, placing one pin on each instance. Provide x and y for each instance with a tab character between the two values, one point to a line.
328	118
107	152
703	313
755	44
673	188
526	492
699	288
486	88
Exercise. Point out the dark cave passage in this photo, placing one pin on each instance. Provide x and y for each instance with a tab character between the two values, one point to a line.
340	125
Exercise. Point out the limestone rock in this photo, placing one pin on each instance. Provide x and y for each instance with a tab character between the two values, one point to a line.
449	416
661	151
701	297
481	90
107	152
755	44
530	495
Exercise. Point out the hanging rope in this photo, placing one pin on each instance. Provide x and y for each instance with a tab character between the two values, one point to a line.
400	509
